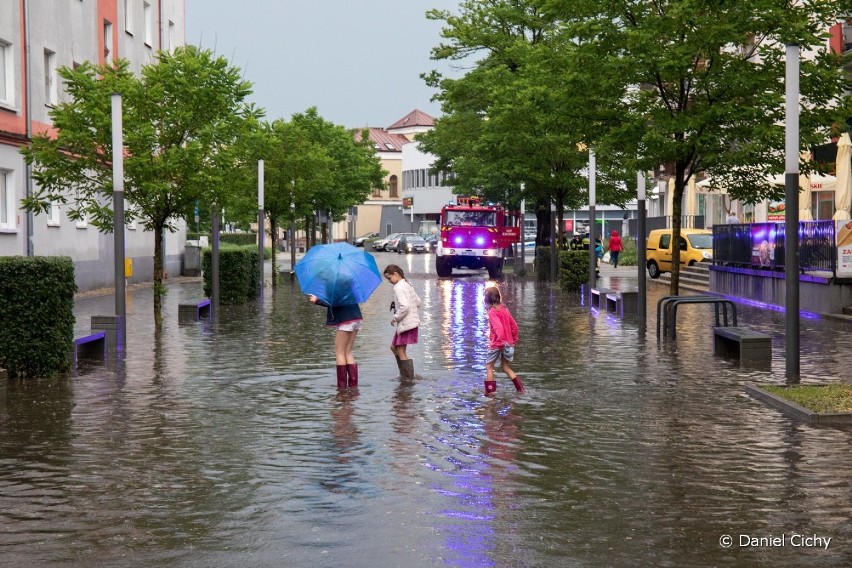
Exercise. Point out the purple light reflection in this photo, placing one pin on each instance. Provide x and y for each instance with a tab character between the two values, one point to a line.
775	308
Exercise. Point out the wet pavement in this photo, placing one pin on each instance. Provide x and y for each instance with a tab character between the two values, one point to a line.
226	444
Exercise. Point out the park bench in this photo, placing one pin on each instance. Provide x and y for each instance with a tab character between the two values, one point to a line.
194	310
667	311
596	295
747	344
623	302
91	346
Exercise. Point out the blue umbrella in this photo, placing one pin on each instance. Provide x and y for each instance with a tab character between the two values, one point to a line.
338	274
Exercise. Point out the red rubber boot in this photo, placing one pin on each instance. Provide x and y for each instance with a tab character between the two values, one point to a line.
353	375
519	386
490	387
341	376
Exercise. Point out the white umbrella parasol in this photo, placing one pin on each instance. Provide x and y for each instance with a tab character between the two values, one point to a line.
843	190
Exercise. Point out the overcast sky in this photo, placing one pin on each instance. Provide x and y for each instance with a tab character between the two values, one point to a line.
358	61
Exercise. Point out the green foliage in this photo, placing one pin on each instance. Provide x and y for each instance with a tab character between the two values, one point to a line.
573	269
239	273
37	311
817	398
239	239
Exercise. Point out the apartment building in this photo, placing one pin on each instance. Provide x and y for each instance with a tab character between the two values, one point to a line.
37	37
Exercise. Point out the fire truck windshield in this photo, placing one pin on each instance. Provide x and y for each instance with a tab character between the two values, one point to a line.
471	218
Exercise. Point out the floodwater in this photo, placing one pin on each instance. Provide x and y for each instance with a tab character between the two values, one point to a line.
227	444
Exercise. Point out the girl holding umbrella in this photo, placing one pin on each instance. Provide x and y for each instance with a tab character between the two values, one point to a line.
348	320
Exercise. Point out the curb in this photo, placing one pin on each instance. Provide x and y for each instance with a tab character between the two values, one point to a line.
791	408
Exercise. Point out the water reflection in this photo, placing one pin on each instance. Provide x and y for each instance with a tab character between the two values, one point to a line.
224	444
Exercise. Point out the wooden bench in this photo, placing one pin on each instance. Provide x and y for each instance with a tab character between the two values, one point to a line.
595	298
194	310
624	302
747	344
92	346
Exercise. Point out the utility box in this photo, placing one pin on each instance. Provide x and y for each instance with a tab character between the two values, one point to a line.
128	268
192	261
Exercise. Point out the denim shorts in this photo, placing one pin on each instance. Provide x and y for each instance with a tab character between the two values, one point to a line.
496	356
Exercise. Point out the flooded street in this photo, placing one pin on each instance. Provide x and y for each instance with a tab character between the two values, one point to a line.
218	445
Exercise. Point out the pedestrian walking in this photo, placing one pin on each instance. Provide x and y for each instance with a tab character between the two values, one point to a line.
732	218
347	320
598	255
406	318
615	247
502	338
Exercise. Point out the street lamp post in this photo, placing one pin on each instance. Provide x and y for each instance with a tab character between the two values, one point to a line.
641	252
118	217
261	223
592	188
293	234
791	205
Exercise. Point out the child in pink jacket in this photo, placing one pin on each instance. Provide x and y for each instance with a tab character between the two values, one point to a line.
503	335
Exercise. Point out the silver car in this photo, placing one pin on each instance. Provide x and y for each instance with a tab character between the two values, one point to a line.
393	243
411	243
381	244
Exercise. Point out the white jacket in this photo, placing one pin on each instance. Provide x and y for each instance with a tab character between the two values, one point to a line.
406	301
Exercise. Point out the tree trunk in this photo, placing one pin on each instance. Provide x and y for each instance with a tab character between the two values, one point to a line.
560	216
273	233
677	200
159	287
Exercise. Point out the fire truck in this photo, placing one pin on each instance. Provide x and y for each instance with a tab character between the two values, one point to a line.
474	236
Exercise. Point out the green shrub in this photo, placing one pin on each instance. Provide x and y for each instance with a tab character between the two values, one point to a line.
37	314
239	273
239	239
573	269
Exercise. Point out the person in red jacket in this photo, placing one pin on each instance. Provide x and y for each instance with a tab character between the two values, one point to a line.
615	247
502	338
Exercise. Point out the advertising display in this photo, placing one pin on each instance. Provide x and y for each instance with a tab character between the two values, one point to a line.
775	211
843	230
763	244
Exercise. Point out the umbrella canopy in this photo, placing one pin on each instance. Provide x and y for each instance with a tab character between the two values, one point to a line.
843	190
338	274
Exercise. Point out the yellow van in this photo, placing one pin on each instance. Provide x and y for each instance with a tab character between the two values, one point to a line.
696	245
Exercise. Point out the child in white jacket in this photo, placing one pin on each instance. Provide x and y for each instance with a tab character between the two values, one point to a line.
406	318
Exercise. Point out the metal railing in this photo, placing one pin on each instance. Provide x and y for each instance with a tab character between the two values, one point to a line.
761	245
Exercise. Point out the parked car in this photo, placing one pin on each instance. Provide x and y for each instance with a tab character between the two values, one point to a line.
359	242
411	243
380	244
432	241
696	245
392	243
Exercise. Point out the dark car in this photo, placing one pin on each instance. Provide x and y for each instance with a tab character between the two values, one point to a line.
411	243
359	242
432	241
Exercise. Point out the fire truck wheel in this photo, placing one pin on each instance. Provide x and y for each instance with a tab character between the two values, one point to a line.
443	267
495	270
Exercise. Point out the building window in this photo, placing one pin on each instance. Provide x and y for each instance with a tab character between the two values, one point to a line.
128	16
7	201
107	40
51	79
393	186
7	86
822	204
148	16
377	192
53	215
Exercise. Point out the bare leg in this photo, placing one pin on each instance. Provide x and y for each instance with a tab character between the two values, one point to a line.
341	339
489	371
508	370
349	342
401	353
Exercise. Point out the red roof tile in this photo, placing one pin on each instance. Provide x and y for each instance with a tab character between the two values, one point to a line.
385	141
413	118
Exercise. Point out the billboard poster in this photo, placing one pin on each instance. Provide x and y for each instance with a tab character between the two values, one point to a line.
763	244
775	211
569	225
843	230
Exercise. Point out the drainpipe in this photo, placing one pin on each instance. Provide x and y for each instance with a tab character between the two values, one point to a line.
28	171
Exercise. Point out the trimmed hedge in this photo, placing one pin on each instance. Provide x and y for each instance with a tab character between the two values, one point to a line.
239	273
37	315
573	269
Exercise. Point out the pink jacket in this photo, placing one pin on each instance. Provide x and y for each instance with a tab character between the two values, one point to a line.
504	330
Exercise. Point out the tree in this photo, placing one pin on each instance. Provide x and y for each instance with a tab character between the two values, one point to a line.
704	85
183	118
513	121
